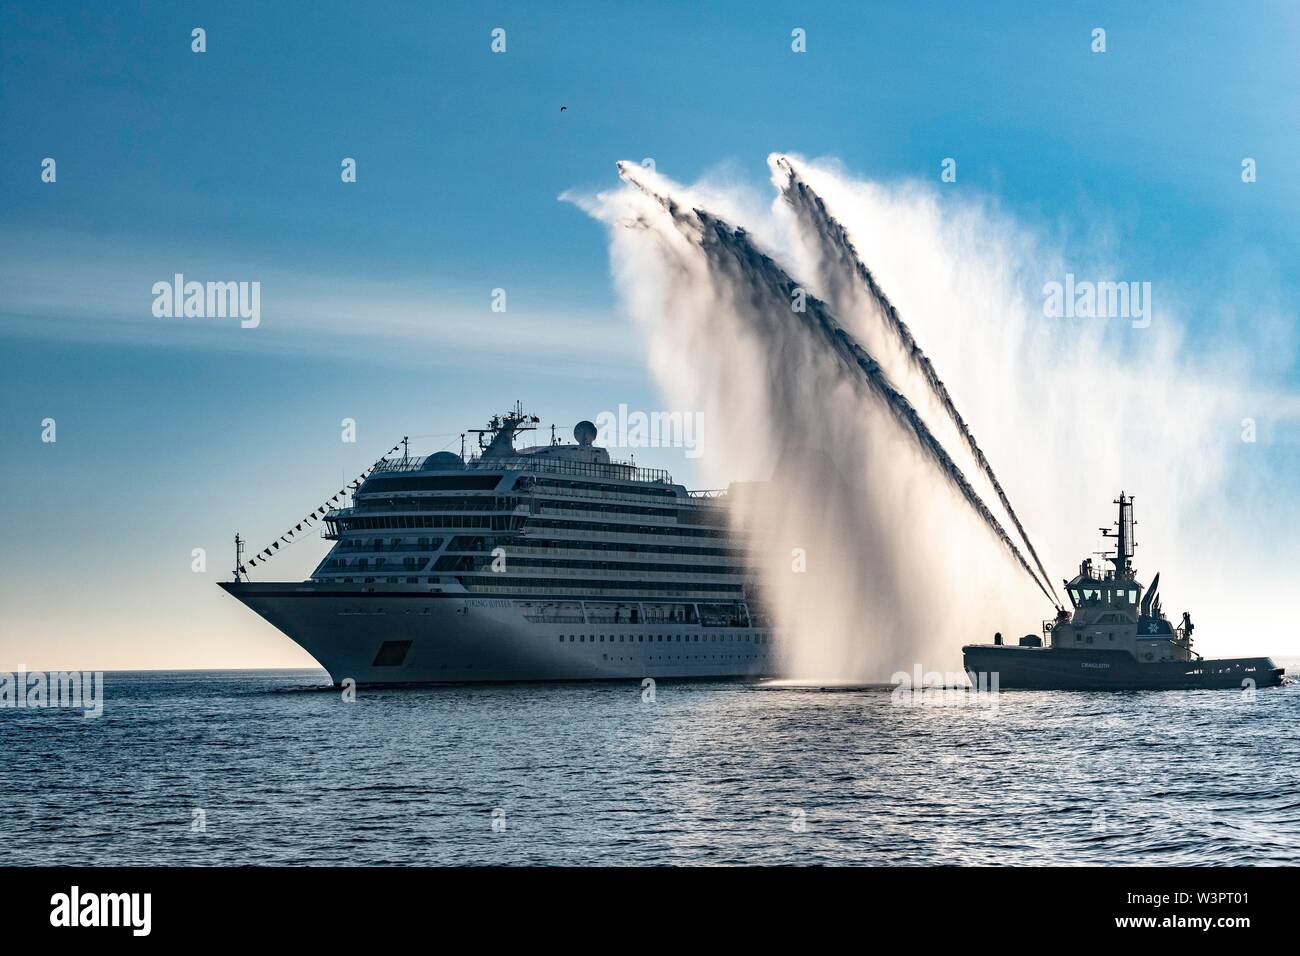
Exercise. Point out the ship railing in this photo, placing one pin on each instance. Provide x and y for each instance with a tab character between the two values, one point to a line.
603	593
620	470
649	501
613	554
432	506
545	510
607	574
369	548
400	464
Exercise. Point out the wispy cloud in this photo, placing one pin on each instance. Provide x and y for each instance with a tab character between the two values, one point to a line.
99	290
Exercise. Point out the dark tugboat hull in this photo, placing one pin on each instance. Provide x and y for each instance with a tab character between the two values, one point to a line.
1049	668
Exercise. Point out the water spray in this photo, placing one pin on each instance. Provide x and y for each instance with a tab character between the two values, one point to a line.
844	274
770	289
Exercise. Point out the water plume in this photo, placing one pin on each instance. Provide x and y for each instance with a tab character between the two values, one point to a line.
853	481
853	293
876	562
731	252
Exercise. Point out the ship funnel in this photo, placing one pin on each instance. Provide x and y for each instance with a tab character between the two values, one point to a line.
1150	595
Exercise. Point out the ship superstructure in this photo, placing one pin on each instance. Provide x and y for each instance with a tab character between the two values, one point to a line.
551	562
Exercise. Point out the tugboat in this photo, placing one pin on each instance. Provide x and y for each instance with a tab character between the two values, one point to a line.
1118	638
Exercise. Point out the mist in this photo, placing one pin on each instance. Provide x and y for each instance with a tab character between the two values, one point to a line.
872	559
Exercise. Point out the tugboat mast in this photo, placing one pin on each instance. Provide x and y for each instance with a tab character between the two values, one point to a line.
1123	535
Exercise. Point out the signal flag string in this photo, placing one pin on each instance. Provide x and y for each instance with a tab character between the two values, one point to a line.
316	514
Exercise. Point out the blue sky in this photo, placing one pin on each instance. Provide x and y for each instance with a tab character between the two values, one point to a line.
225	165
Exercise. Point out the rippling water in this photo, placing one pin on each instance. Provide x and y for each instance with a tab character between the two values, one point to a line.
287	773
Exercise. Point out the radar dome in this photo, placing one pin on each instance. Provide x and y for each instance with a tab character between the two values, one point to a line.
585	433
443	461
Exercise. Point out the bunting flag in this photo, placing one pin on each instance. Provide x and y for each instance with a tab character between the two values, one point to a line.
324	509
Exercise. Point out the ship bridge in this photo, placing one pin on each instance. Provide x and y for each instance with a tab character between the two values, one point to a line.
1089	589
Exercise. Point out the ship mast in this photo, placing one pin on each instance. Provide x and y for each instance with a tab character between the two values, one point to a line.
1123	535
502	429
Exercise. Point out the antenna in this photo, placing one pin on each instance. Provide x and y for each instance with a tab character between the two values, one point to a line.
239	558
1123	535
406	448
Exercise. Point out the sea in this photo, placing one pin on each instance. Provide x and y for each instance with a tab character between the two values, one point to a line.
277	767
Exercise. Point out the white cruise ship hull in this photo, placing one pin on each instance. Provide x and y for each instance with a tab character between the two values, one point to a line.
415	637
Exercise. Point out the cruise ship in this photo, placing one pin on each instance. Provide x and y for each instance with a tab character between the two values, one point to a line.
544	563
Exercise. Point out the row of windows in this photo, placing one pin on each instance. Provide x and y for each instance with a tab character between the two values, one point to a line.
1095	597
560	524
381	564
499	523
563	585
386	580
433	483
467	562
542	484
605	507
431	503
1087	638
354	544
472	543
664	638
504	522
